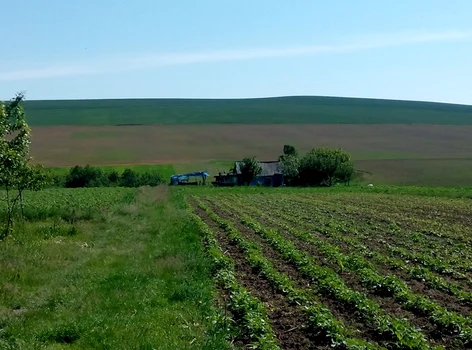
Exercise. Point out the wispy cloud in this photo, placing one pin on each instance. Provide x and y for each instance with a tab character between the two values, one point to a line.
152	61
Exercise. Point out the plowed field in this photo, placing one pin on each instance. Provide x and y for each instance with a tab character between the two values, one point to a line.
314	271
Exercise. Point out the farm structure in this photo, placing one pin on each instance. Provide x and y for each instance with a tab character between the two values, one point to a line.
185	179
270	175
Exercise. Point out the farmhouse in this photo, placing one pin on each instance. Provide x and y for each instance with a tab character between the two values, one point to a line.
271	175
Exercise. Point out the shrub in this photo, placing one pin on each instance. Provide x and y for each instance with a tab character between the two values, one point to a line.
326	167
89	176
250	168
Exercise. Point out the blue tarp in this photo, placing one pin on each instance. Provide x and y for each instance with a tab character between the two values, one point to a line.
175	179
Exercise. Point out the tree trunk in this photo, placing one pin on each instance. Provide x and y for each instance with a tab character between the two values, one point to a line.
9	212
22	206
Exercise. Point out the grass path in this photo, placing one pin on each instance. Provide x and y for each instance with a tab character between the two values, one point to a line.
131	277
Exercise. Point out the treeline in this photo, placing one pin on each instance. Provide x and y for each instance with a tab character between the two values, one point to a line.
91	176
318	167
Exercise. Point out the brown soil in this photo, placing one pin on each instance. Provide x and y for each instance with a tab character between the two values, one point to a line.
446	300
387	303
377	243
392	153
341	312
288	321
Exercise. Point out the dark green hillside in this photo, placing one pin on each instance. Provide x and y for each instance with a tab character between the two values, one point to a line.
278	110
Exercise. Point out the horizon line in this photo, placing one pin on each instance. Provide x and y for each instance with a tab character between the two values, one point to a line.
249	98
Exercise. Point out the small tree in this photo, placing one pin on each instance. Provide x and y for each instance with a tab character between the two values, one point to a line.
33	178
16	174
129	178
113	178
87	176
290	150
326	167
250	168
289	166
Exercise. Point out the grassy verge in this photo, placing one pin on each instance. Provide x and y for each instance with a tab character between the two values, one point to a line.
132	275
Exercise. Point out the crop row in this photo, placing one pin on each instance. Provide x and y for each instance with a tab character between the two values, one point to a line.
249	313
321	320
406	209
390	285
388	222
331	285
419	273
431	233
322	224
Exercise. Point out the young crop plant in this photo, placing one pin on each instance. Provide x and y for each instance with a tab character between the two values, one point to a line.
449	321
321	321
452	261
419	273
249	313
318	223
328	283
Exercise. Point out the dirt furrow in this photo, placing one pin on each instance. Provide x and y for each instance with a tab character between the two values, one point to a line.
378	245
353	281
288	321
346	314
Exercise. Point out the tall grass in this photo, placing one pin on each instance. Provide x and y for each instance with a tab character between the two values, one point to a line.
131	275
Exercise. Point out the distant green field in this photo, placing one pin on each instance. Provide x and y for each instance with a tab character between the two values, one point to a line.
280	110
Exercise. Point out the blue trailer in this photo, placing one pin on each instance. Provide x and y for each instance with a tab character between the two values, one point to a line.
189	179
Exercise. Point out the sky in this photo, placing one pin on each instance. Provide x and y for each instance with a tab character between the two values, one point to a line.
403	49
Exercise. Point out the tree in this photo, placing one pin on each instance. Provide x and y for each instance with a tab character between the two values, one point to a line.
250	168
326	167
16	174
290	150
129	178
289	166
33	178
87	176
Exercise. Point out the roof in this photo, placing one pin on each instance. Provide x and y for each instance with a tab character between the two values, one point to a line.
268	168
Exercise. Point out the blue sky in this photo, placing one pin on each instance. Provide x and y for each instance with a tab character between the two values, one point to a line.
404	49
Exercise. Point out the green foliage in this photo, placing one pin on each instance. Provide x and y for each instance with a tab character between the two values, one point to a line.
329	283
326	167
290	150
250	314
289	164
62	285
290	168
87	176
90	176
368	235
321	320
250	168
16	174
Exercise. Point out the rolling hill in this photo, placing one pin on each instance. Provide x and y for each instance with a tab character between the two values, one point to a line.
276	110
